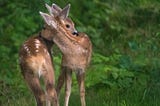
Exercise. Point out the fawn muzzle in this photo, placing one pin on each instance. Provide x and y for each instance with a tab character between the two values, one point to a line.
75	33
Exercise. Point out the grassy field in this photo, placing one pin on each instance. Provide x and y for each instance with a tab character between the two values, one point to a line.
97	95
117	87
146	97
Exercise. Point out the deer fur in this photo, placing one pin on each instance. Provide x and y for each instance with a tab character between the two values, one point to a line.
36	60
76	51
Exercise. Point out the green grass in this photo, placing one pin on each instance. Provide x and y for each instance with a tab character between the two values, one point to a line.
98	96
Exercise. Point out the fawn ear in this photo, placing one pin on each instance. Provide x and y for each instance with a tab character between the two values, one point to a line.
48	19
56	9
64	13
49	8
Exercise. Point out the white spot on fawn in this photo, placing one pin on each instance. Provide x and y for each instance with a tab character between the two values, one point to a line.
39	73
37	43
37	50
40	70
37	46
27	49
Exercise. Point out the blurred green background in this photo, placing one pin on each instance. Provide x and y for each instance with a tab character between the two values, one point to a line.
125	66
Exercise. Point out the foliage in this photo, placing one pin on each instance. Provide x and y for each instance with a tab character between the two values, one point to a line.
126	38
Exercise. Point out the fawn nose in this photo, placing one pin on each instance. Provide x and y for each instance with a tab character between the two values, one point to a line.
75	33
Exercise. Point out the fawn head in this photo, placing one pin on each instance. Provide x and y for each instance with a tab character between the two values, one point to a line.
72	44
58	20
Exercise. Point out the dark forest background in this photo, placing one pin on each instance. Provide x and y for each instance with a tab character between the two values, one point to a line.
125	66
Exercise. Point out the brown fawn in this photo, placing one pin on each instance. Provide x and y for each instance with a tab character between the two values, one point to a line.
36	60
76	49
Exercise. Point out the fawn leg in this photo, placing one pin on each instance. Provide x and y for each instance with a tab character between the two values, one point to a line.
68	82
34	84
61	79
80	74
50	87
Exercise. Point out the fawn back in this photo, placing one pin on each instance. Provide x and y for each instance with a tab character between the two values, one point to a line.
36	59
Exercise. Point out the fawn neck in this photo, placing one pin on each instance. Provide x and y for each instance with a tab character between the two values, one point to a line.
45	37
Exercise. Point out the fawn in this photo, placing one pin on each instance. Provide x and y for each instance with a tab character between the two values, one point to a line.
76	51
36	60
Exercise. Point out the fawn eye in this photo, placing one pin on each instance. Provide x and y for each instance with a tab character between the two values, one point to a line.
67	26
